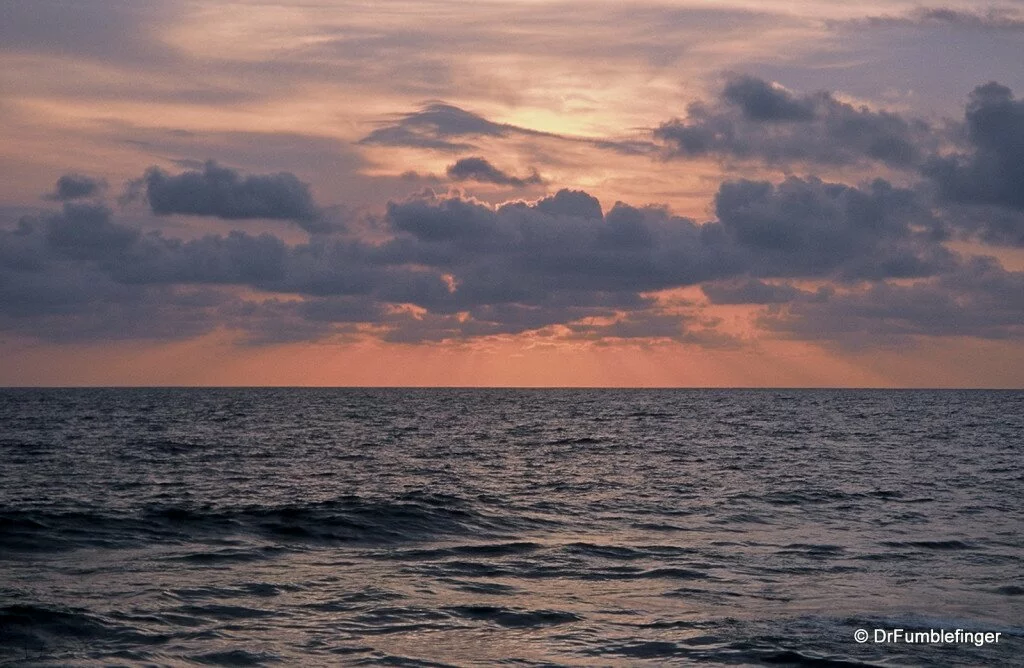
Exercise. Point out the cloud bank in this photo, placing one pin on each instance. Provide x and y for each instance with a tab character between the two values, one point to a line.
817	260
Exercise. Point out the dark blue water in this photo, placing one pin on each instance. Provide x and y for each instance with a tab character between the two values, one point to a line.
506	527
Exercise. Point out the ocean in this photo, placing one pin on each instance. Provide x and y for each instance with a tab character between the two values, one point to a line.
505	527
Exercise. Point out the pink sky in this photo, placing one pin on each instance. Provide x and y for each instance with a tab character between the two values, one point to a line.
533	193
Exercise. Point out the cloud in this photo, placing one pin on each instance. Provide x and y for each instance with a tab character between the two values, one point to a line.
563	266
993	173
755	120
978	185
445	127
572	203
86	231
479	169
749	291
471	269
978	299
529	253
760	101
92	29
981	189
638	325
400	136
803	228
224	193
434	126
57	283
990	224
76	186
235	258
111	312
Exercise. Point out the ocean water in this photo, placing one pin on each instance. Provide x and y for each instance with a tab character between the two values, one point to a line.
508	527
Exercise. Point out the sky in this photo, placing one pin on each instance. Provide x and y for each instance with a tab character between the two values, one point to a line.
693	193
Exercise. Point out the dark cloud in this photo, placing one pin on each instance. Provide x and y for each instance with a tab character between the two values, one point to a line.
451	220
447	128
77	276
755	120
445	120
813	228
573	203
23	249
224	193
749	291
481	170
990	224
116	313
444	127
634	326
343	309
993	172
434	126
475	270
626	146
400	136
980	186
76	186
86	231
236	258
760	101
978	299
276	321
530	253
57	284
451	268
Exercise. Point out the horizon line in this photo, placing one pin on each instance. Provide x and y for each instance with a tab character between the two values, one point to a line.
512	387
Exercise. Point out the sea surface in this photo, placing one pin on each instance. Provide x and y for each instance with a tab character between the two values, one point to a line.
448	527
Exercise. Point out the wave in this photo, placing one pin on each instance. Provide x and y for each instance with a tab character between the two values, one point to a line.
39	628
235	657
931	544
347	519
513	618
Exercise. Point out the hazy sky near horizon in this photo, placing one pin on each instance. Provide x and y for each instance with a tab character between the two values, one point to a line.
691	193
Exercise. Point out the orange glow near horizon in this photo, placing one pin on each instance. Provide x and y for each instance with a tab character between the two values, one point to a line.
215	361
